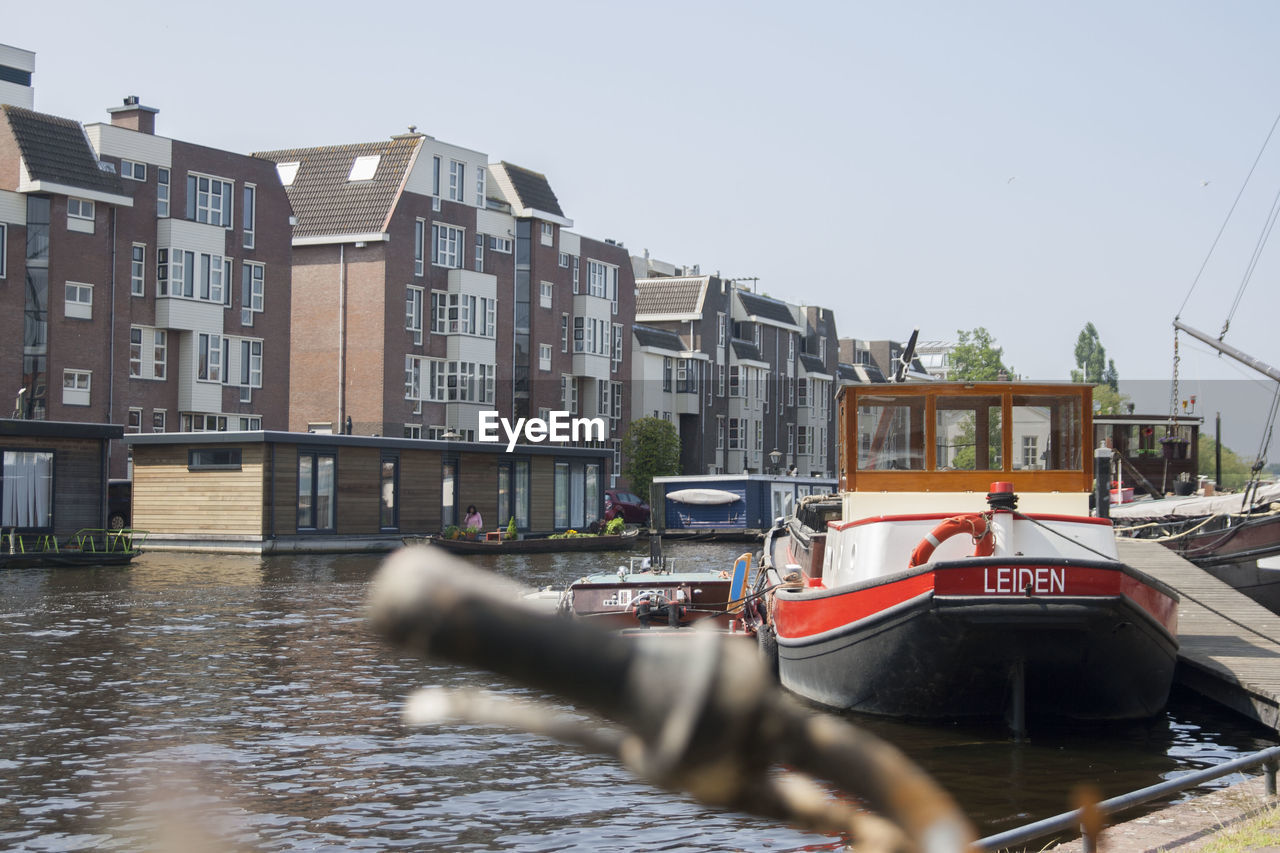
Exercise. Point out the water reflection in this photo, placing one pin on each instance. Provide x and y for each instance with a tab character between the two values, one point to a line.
242	699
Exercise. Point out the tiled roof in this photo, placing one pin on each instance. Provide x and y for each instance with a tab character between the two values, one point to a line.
861	373
745	349
766	308
56	150
326	203
658	296
812	363
532	189
647	336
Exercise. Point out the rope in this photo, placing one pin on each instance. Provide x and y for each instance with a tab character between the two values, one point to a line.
1075	542
1263	237
1239	194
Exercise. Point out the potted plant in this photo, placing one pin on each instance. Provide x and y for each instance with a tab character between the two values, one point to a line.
1174	447
511	528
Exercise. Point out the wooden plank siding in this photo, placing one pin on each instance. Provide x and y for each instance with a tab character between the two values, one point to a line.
282	483
79	478
359	485
542	493
420	493
169	498
478	484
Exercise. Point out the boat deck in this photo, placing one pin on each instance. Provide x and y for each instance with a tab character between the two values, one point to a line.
1229	645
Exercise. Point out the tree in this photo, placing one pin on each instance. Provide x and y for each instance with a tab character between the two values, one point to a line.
1091	359
1235	471
977	359
651	448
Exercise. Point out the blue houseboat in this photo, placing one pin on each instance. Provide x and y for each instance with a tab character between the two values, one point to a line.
730	506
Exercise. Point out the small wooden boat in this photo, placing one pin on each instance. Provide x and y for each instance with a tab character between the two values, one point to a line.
915	594
86	547
660	600
534	545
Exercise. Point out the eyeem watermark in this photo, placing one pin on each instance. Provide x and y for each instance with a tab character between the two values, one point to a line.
559	428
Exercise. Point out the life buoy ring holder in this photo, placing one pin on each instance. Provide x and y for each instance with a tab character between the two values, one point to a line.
976	524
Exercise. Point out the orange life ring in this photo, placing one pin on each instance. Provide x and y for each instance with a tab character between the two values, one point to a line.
974	523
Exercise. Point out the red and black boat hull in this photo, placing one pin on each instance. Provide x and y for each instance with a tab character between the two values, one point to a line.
1085	639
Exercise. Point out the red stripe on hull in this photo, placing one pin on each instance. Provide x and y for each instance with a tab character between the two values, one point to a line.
795	618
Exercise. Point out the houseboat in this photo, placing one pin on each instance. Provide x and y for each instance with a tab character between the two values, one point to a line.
729	506
54	495
959	572
273	492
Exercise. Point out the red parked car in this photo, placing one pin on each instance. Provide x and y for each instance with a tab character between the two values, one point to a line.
619	503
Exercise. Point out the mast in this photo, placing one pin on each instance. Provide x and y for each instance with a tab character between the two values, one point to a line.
1226	349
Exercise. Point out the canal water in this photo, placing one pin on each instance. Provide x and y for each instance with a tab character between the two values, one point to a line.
205	703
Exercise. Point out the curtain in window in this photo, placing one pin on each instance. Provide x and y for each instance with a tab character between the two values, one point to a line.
27	498
325	492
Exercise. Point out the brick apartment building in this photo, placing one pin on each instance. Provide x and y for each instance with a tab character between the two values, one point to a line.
431	286
739	373
145	279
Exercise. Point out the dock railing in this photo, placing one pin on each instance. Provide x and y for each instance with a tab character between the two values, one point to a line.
1074	821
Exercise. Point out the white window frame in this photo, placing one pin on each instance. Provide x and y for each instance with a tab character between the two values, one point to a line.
419	245
249	213
548	233
546	291
148	352
162	192
457	178
134	422
413	304
80	208
159	420
209	210
480	187
138	269
77	387
252	299
209	357
447	242
133	170
79	300
544	357
500	244
564	260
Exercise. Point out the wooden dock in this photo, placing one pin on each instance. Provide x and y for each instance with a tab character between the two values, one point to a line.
1229	645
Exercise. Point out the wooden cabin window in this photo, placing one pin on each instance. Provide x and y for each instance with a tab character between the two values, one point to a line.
1046	433
968	434
890	434
213	459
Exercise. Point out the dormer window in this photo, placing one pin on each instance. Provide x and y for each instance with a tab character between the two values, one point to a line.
287	172
364	168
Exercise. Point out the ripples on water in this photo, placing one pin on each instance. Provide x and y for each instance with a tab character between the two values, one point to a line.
234	703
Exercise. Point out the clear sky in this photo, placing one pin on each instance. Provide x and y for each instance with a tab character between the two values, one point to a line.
1023	166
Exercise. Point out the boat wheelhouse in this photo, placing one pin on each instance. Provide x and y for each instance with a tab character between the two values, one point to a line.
884	607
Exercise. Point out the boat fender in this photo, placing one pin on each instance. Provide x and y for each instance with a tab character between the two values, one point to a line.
974	523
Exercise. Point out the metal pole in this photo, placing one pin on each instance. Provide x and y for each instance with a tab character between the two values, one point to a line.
1217	451
1269	771
1226	349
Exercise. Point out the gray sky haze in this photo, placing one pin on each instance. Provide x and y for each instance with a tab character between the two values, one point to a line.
1027	167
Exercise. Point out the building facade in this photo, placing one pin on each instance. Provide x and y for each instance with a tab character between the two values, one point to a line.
145	278
750	375
432	287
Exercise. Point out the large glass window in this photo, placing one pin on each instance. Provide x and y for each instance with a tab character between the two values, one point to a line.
317	490
448	492
890	434
447	244
522	493
1055	424
209	200
592	496
389	502
562	495
968	432
26	500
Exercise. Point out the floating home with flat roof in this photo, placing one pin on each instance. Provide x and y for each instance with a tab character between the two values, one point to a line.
271	492
54	476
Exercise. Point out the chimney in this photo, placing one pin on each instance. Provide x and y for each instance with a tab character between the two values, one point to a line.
133	116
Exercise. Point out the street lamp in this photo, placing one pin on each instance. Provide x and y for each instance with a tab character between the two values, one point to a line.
775	459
